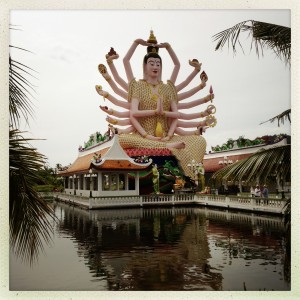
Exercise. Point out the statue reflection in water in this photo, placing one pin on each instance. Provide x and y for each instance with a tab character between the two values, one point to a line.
164	249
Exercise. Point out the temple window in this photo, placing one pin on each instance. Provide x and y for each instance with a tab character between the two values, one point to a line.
76	183
67	182
95	183
87	183
105	182
81	182
131	185
121	182
113	182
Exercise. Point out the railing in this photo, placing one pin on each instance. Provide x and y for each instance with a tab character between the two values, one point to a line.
143	200
73	199
182	198
157	199
168	199
229	202
114	201
47	195
245	203
278	195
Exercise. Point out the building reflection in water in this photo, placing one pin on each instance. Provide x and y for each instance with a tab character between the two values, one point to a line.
170	248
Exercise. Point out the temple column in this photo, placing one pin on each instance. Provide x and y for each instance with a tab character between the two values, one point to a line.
240	186
99	182
137	182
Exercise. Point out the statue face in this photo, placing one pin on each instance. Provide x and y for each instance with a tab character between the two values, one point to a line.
153	67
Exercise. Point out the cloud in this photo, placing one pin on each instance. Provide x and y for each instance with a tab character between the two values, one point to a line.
65	54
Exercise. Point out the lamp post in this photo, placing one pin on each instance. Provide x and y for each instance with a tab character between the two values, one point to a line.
74	183
193	166
225	161
91	175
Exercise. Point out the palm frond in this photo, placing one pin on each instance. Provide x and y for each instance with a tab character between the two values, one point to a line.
260	166
20	91
230	34
29	214
264	35
15	47
280	118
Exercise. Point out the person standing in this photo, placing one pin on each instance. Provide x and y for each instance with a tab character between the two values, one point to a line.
252	192
257	192
265	192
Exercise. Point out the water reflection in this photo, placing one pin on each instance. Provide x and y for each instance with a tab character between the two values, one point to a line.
183	248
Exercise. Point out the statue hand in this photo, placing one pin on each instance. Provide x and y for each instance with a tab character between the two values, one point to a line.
106	109
100	91
102	69
111	120
163	45
203	77
195	63
209	97
153	138
165	139
211	109
112	57
159	108
141	42
204	128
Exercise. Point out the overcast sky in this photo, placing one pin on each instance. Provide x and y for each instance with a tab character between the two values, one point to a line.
68	45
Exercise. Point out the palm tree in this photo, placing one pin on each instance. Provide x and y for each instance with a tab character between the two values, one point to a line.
278	39
262	166
29	214
29	224
276	160
264	36
280	118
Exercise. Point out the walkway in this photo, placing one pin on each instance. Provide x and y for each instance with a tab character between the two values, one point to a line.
271	205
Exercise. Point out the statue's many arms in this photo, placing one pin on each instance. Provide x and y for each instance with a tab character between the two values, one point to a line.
152	116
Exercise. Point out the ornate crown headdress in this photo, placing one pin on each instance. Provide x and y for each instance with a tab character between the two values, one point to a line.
152	40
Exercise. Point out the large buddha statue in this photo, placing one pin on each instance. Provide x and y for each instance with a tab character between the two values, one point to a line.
152	117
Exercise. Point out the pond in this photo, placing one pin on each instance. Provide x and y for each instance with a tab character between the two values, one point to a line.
158	249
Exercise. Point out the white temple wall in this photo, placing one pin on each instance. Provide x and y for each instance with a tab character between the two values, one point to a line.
117	184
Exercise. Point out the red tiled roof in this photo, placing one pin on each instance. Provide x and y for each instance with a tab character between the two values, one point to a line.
212	164
83	163
119	165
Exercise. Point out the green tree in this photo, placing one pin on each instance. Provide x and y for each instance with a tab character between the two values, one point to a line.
50	180
29	214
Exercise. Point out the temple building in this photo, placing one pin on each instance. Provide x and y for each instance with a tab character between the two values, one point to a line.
103	169
237	150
